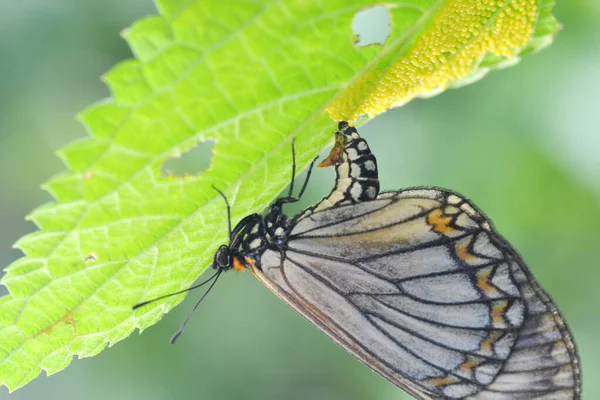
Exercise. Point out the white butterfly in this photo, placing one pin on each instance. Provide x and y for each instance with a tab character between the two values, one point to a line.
416	284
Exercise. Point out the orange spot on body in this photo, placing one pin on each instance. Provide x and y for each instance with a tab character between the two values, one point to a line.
439	222
238	265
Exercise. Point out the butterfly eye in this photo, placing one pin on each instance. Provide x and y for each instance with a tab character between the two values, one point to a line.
222	258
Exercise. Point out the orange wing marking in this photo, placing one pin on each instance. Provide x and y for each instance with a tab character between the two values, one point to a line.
487	344
439	221
466	366
483	283
469	364
445	381
462	252
498	310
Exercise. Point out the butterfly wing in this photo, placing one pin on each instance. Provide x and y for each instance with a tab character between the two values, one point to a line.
417	286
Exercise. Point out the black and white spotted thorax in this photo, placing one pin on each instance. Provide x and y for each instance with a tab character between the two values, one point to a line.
251	237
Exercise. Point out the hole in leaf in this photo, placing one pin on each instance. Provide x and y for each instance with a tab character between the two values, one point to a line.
191	162
371	26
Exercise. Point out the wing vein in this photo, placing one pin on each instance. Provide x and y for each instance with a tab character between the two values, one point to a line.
409	219
410	331
340	328
448	272
426	245
341	221
433	302
443	323
378	328
386	334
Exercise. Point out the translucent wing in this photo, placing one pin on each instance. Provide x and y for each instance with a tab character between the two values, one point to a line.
417	286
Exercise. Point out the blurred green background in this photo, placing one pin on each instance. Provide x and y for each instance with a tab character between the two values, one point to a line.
523	143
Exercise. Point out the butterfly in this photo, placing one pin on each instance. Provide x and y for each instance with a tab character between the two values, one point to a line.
416	284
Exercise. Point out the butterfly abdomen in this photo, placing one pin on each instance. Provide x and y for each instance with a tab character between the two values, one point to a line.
355	167
360	170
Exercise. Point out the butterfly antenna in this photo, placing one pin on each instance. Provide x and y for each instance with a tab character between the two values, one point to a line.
228	210
291	191
180	331
179	292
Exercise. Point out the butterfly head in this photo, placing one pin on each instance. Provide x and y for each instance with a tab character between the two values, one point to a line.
223	260
226	259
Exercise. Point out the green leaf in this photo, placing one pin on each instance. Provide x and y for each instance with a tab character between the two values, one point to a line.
250	77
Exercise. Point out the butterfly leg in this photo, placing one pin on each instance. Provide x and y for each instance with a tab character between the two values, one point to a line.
290	198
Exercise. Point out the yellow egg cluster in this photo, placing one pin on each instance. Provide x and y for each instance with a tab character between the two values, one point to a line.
461	34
